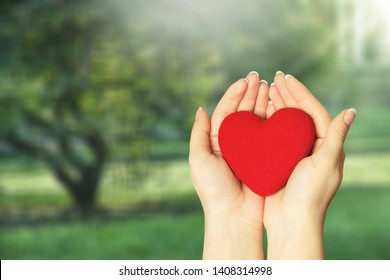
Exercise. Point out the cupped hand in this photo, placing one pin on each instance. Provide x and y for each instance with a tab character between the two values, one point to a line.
294	216
233	213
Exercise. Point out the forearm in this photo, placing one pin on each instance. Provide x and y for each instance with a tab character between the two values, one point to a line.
227	237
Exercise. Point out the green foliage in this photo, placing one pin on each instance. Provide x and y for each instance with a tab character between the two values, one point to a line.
86	82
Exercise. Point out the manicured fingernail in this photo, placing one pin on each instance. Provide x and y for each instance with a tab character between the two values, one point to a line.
349	116
279	72
254	72
288	76
269	102
264	81
197	115
272	84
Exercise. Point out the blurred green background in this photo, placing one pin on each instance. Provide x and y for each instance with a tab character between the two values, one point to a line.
97	100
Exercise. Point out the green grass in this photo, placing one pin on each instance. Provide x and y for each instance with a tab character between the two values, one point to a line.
159	237
357	224
356	228
368	169
370	133
25	190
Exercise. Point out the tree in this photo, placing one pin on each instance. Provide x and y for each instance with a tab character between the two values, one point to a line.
49	57
81	84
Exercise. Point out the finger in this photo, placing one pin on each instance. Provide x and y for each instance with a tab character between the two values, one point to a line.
270	110
308	103
276	98
249	100
262	100
280	83
200	146
332	145
228	104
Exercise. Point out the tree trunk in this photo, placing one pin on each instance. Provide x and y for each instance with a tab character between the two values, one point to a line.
84	197
82	187
84	190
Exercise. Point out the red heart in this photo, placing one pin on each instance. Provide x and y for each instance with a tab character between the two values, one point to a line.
264	153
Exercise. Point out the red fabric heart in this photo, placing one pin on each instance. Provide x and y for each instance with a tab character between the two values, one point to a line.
264	153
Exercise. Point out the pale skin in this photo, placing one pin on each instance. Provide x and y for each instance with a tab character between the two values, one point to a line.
294	219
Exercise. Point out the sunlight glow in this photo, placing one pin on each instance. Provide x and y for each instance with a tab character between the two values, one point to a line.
364	31
382	10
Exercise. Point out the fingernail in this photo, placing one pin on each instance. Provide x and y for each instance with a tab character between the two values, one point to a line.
272	84
279	72
254	72
349	116
288	76
246	80
197	115
264	81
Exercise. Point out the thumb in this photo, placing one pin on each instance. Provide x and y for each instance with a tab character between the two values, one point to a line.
200	145
332	145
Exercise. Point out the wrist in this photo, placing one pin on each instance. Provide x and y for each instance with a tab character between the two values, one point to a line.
229	236
299	238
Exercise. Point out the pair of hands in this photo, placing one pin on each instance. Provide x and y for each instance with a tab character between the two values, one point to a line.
294	216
